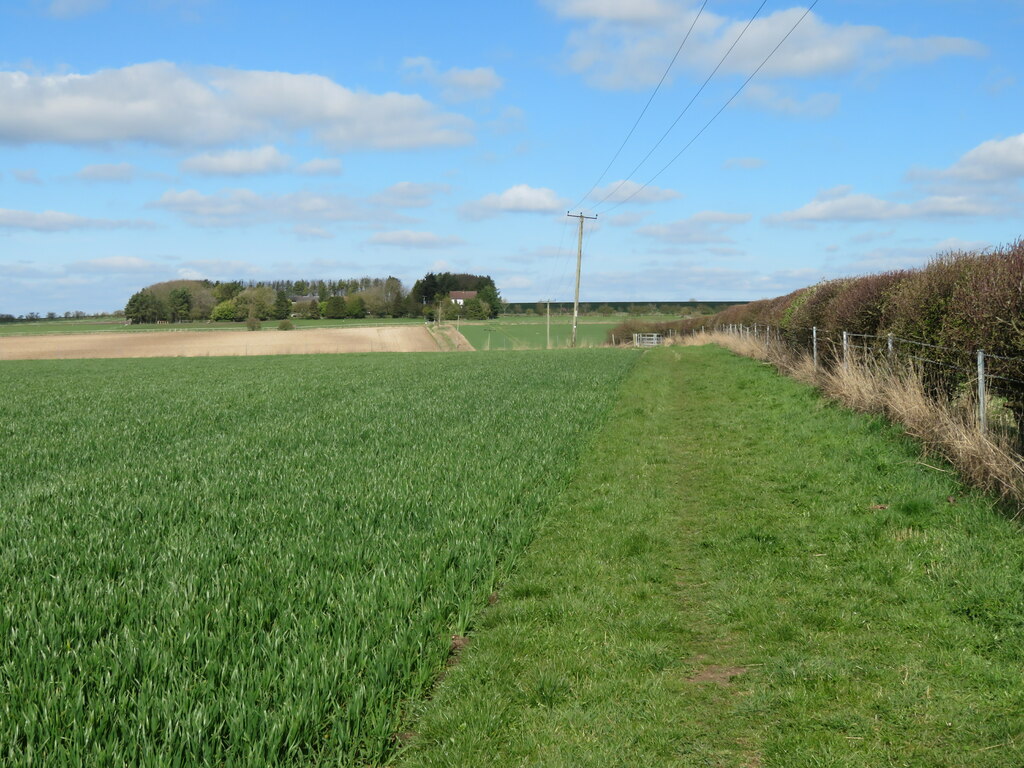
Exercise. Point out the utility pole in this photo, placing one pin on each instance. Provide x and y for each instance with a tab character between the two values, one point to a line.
549	323
579	261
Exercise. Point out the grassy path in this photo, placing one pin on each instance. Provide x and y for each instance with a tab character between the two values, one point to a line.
742	575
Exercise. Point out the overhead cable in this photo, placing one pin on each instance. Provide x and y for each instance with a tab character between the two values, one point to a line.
715	116
688	105
644	110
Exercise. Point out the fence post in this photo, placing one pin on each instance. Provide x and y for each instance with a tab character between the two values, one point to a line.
888	342
982	422
846	349
814	337
755	330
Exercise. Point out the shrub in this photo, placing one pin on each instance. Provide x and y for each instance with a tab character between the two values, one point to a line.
286	325
916	306
253	324
226	310
858	305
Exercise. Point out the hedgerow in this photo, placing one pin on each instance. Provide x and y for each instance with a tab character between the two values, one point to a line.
960	302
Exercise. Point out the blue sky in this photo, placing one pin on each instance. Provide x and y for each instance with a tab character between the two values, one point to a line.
155	139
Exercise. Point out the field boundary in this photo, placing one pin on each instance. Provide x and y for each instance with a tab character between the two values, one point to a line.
206	343
834	600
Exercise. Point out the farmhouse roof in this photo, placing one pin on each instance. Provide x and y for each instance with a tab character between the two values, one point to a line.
464	295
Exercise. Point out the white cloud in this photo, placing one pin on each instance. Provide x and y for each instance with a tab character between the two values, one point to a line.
703	227
238	162
516	282
57	221
409	194
883	259
841	204
456	85
66	9
745	163
409	239
27	176
630	219
613	10
243	207
771	99
706	283
621	46
307	232
521	198
510	120
994	160
161	103
633	192
114	264
107	172
26	271
321	166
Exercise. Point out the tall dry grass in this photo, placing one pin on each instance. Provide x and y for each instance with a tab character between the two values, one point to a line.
945	428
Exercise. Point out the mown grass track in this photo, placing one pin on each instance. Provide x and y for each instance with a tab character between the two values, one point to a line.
741	574
258	562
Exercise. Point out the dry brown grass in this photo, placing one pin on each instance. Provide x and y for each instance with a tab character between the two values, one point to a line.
947	429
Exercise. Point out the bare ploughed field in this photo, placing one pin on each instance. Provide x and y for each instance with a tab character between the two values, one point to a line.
391	338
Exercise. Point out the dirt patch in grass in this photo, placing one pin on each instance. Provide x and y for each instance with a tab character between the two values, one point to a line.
716	674
393	338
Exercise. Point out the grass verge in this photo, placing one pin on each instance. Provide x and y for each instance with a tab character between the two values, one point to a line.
947	427
742	574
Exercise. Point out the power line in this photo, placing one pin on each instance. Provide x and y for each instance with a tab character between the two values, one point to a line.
715	116
644	110
687	107
563	257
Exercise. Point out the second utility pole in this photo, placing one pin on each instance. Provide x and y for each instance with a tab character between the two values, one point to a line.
579	261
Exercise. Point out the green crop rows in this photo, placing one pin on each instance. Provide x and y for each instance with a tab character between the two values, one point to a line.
518	334
257	562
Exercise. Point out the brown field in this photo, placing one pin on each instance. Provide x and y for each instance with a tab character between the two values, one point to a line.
395	338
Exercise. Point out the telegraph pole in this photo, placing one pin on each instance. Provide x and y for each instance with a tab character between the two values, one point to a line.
549	324
579	261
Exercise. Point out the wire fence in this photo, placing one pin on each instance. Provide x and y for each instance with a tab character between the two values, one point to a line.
991	385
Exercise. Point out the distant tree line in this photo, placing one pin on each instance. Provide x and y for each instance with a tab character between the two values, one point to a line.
178	301
36	316
607	309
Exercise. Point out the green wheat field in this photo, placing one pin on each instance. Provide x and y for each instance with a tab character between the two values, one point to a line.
262	561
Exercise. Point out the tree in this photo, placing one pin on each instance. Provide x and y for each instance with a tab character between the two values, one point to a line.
335	309
426	290
180	301
375	302
282	308
225	311
144	307
474	309
308	309
355	307
258	300
227	291
489	295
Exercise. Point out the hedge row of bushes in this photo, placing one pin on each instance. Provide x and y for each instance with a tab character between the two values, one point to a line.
961	301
